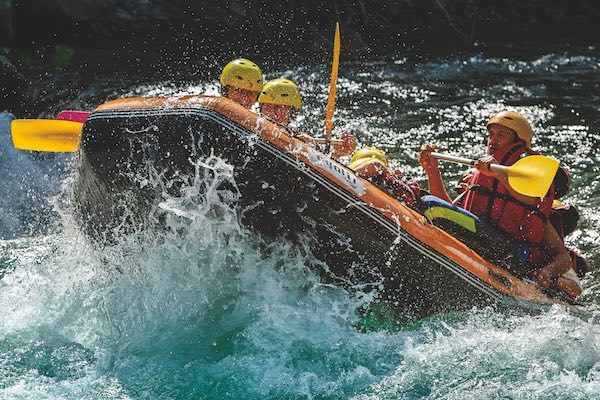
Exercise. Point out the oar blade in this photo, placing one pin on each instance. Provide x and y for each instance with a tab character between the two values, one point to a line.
532	176
46	135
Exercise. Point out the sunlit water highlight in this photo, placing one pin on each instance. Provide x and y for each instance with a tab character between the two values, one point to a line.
204	309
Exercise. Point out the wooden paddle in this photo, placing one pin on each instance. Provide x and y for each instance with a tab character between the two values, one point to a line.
46	135
332	88
530	176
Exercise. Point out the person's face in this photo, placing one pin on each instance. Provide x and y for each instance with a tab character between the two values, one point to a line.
242	96
276	112
499	137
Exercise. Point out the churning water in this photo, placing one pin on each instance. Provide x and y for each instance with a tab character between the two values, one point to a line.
202	308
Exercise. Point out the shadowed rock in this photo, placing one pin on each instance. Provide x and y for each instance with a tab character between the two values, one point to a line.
304	26
16	91
6	27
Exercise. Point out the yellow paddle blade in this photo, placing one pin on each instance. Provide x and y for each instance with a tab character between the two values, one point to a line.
532	176
46	135
333	83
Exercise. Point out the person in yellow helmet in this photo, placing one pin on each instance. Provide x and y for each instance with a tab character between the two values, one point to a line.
242	81
489	196
373	165
279	99
506	130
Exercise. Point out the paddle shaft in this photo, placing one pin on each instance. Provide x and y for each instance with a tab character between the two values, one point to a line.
331	141
467	161
332	88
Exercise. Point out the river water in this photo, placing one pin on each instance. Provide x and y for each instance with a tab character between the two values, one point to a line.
202	311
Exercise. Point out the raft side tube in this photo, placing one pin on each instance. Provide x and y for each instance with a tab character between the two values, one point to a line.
288	190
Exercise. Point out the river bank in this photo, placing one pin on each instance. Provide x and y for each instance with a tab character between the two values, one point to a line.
154	38
370	27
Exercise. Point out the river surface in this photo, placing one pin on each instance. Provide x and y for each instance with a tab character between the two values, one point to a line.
202	312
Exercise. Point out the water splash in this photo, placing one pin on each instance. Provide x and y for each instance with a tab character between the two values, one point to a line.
194	296
201	308
487	355
24	205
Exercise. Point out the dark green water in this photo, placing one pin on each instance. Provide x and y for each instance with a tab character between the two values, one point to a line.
204	314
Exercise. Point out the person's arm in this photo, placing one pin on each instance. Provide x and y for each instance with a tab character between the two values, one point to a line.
561	261
306	138
483	165
370	169
339	147
434	176
344	146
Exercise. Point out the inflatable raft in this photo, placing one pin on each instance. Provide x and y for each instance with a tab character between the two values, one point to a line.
362	237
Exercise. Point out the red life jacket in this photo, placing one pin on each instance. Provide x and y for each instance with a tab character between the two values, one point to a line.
407	192
489	199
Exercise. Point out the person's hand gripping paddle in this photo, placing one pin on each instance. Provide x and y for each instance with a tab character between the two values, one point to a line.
530	176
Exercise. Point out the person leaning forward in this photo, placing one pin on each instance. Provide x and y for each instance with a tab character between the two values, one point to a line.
241	81
372	164
490	197
279	100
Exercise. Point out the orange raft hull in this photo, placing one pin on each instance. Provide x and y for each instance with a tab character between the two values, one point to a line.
366	239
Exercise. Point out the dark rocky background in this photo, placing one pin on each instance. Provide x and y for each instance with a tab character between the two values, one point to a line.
146	39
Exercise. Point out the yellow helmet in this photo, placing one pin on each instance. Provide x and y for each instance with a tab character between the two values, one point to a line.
243	74
514	121
366	155
281	91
